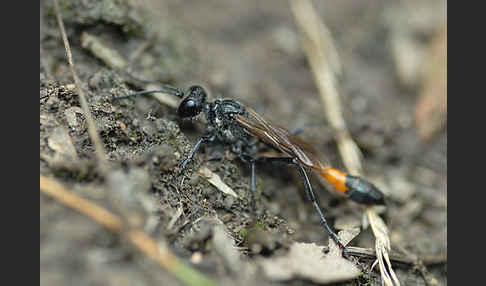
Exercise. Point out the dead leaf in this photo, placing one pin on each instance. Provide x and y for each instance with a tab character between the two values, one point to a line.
216	181
307	260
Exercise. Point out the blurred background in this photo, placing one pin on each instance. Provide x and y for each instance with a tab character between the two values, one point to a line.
392	88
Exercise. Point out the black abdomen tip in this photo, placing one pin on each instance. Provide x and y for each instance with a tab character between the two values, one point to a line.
364	192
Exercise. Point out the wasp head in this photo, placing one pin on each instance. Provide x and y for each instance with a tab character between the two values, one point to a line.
193	104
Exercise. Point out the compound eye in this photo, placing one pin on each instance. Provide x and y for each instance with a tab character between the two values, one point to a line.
189	107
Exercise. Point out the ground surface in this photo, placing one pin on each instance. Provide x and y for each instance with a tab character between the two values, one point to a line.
250	51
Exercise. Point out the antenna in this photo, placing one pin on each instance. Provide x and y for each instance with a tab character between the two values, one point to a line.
166	89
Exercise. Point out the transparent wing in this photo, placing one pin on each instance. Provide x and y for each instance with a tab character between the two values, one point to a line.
281	139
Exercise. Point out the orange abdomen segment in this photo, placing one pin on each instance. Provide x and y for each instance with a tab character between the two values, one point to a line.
336	178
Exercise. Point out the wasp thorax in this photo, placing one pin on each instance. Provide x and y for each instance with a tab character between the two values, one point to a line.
193	104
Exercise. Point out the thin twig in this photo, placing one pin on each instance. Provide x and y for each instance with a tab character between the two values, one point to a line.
93	134
428	259
160	253
324	62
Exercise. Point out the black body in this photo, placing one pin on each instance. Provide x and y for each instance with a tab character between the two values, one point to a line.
220	116
364	192
230	122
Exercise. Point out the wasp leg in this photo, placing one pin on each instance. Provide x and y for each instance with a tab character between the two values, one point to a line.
252	186
310	195
183	164
252	162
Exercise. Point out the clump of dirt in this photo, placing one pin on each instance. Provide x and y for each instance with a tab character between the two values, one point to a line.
250	53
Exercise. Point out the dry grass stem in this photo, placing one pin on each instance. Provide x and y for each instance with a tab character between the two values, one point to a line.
109	56
93	134
382	247
112	58
100	215
323	58
159	253
428	259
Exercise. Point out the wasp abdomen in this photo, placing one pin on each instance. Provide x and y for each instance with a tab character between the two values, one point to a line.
364	192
